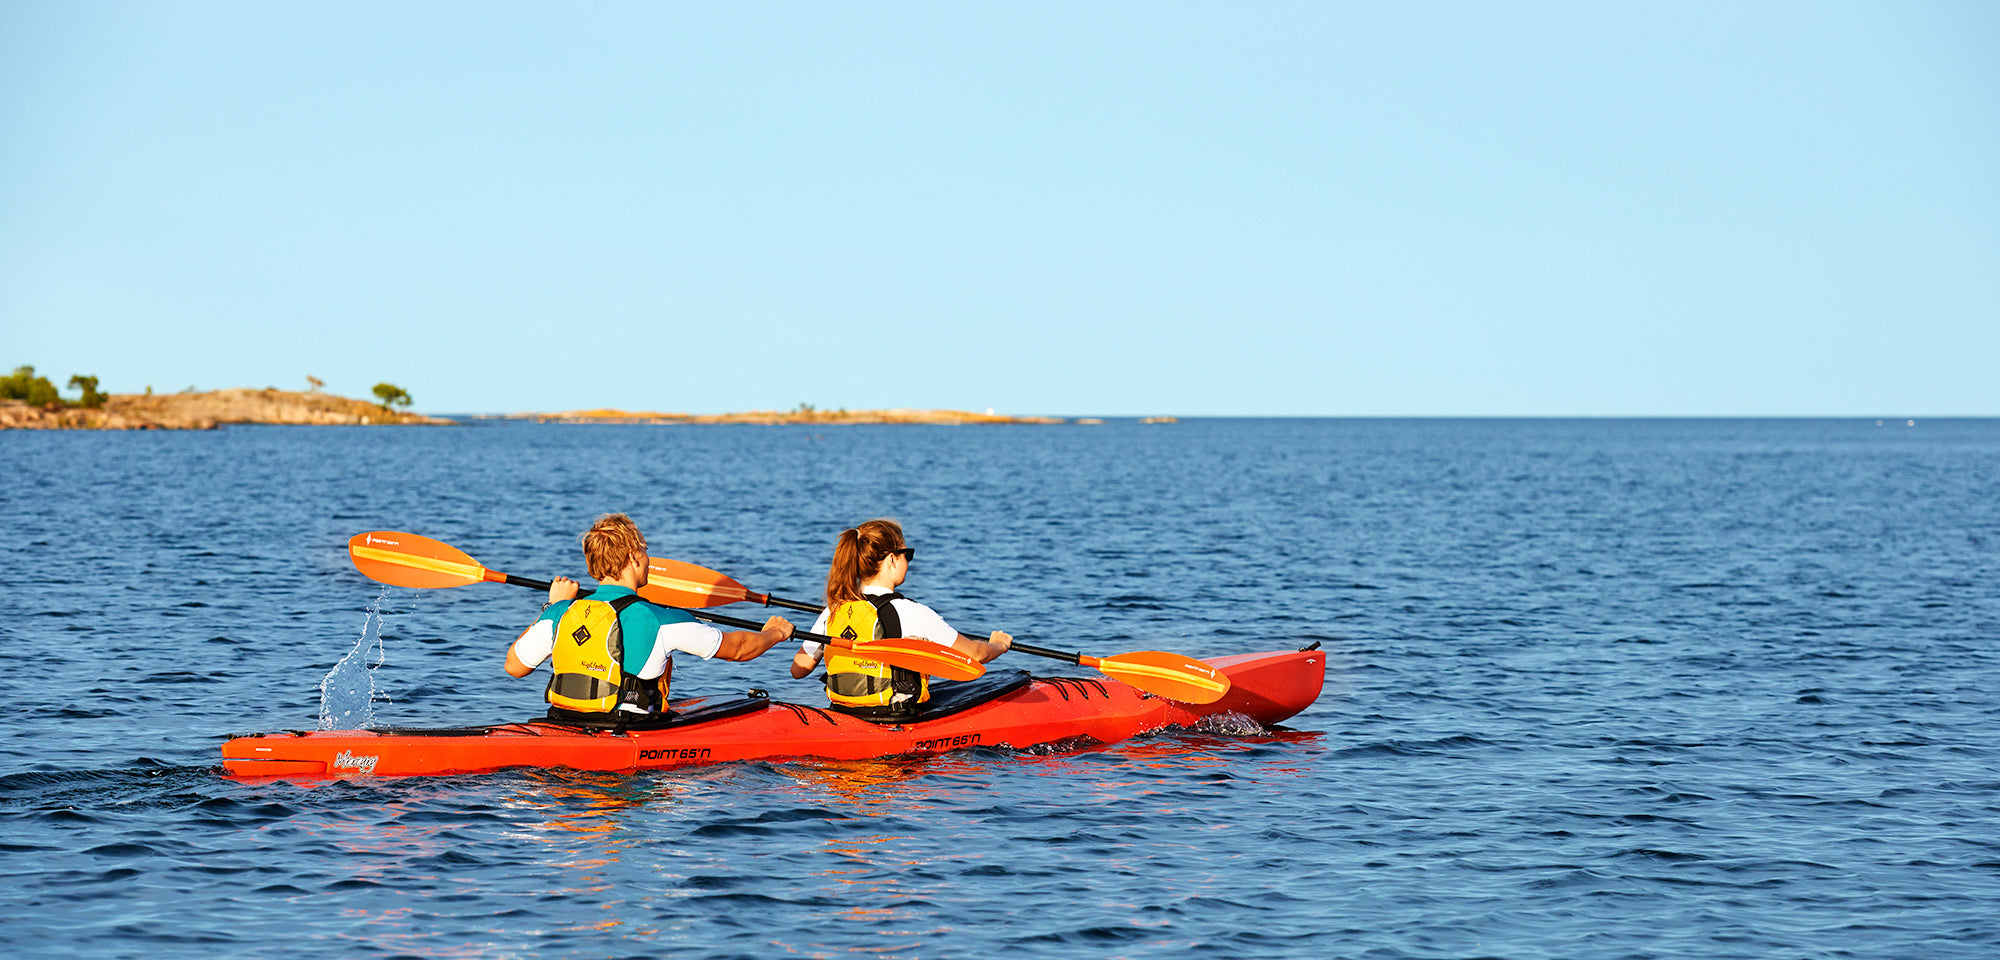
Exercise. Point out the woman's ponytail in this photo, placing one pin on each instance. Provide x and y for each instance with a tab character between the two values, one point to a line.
843	577
858	555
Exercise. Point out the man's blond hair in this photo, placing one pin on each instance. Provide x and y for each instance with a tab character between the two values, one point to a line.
611	543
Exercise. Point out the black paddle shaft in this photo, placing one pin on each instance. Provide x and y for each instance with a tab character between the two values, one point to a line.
1045	652
771	601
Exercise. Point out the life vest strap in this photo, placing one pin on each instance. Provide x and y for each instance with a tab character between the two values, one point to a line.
580	686
904	712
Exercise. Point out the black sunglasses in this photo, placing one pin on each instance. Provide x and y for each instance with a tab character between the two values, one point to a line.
909	553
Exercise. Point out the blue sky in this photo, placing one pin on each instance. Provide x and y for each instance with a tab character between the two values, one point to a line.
1317	209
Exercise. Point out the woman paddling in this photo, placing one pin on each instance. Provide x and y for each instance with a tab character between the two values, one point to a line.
869	562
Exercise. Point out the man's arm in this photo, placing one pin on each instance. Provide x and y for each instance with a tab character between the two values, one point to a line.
514	666
538	641
743	645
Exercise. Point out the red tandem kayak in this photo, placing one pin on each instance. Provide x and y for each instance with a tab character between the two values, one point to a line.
1012	710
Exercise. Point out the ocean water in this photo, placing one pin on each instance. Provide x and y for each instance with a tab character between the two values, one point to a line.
1620	689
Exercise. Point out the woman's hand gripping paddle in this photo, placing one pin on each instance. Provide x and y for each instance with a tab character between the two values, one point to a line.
408	560
1168	675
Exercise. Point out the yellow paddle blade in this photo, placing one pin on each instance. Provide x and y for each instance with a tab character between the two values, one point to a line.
1162	674
922	656
679	584
408	560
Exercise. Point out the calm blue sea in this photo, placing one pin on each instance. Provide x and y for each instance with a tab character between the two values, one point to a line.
1598	688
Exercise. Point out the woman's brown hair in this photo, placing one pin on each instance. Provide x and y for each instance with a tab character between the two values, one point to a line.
858	555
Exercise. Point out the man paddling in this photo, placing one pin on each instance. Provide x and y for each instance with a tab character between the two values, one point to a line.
613	652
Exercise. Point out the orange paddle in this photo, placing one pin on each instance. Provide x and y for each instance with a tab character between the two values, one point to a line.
408	560
1157	672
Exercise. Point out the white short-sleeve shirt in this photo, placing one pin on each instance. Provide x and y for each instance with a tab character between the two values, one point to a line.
918	621
698	639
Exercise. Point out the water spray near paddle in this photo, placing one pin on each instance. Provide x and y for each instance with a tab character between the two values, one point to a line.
347	693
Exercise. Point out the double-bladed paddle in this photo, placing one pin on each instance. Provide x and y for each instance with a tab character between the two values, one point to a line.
408	560
1169	675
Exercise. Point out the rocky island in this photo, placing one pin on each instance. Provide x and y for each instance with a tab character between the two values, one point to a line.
204	411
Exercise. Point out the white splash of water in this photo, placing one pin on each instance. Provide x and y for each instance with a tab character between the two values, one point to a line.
348	693
1229	723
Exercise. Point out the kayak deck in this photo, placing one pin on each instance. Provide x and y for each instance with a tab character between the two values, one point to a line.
1266	687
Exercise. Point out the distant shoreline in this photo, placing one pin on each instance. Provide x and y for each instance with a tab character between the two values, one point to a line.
207	410
771	417
210	409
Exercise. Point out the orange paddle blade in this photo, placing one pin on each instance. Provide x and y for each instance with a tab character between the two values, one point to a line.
678	584
922	656
408	560
1168	675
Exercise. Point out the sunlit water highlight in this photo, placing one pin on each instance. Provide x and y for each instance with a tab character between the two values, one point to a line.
1599	689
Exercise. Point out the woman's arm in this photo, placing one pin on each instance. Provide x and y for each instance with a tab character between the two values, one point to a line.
983	650
803	663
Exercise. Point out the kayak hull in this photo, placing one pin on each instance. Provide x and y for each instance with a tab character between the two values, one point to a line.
1265	687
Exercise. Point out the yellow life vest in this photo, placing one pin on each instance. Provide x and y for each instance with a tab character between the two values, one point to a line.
863	685
589	661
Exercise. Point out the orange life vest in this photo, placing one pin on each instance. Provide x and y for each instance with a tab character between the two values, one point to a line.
862	685
588	663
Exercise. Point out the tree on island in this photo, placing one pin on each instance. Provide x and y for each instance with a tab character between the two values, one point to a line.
91	398
392	395
314	384
22	384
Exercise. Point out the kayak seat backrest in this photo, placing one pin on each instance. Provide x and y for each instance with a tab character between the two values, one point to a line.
949	696
716	711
